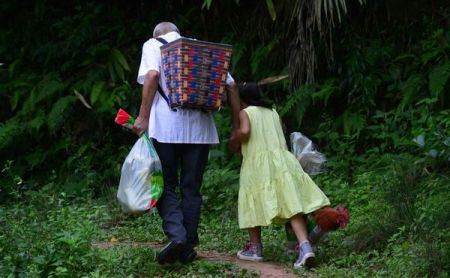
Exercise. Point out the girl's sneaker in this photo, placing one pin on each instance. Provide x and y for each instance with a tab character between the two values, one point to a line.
306	256
251	252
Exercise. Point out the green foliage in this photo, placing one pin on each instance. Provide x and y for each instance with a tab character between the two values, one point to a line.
397	216
410	88
8	131
52	235
117	65
438	78
36	243
44	125
260	54
271	9
220	190
379	111
56	115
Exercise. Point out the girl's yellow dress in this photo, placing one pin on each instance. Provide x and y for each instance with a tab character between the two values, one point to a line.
272	185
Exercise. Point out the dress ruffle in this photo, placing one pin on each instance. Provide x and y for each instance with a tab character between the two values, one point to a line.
273	188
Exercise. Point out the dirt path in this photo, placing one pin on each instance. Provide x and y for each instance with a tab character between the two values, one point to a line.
265	269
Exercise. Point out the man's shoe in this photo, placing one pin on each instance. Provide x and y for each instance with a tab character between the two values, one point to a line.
187	255
169	253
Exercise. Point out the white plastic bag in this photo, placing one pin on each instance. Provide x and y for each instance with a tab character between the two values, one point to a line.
311	160
141	182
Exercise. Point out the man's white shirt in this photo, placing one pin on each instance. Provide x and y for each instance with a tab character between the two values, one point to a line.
165	125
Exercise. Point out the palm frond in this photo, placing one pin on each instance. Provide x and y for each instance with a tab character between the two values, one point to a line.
272	79
311	17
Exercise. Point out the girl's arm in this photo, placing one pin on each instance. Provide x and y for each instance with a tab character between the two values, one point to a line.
244	127
242	133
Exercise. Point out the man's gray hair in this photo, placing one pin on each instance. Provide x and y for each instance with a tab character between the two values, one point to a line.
164	28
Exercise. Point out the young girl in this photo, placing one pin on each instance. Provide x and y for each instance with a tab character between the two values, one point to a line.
272	188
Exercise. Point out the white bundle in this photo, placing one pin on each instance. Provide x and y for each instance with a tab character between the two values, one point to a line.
136	189
303	148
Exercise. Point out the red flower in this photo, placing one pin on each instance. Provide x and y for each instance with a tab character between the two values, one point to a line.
122	117
152	203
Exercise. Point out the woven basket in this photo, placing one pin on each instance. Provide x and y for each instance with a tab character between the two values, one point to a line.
195	73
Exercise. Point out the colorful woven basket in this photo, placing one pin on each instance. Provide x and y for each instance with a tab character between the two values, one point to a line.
195	73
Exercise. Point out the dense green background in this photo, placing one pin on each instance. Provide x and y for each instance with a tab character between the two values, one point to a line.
376	103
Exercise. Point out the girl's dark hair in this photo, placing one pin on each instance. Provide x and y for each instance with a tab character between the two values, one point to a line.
250	93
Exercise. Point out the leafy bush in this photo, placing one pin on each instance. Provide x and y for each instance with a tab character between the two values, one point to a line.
378	110
220	189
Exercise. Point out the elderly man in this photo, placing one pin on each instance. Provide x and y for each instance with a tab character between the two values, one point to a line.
181	138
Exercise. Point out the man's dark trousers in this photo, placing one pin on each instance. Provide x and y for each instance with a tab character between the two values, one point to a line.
181	219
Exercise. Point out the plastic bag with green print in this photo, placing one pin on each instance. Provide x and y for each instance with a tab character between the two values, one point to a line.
141	181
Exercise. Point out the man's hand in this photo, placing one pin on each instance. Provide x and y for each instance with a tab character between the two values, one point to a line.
234	145
140	126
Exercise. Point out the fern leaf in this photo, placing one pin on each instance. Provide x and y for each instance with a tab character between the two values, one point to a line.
260	55
44	91
29	105
36	158
48	87
96	91
112	74
119	71
9	130
56	116
438	79
120	59
38	121
324	93
21	87
410	89
294	99
353	123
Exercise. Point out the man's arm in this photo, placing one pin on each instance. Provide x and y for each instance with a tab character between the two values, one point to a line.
235	104
148	94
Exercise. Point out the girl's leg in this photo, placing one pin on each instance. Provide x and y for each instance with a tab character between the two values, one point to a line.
254	234
306	254
299	226
253	249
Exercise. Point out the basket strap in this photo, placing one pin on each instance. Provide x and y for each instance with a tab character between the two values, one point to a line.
161	40
160	90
